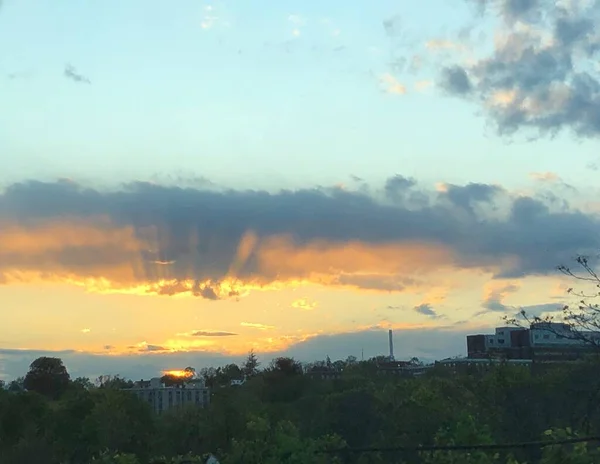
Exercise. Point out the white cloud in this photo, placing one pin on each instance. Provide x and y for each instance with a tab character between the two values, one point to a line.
392	85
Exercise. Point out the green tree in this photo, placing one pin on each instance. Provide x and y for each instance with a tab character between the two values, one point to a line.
68	419
282	443
464	431
47	376
118	422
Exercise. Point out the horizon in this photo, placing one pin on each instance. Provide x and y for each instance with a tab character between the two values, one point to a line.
202	181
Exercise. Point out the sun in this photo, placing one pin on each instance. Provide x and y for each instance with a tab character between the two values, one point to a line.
178	373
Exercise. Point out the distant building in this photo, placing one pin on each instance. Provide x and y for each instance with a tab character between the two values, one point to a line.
542	341
401	368
466	365
324	373
162	398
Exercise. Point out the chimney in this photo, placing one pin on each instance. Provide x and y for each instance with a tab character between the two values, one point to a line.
391	346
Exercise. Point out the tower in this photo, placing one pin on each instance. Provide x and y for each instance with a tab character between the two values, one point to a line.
391	346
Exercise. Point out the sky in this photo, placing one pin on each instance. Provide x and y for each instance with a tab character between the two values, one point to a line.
182	184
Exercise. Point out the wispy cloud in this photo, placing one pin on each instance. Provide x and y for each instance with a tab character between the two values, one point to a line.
254	325
391	85
210	333
495	293
442	44
71	73
545	176
304	303
422	86
427	310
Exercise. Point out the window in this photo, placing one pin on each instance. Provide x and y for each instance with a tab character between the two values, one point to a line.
546	337
501	341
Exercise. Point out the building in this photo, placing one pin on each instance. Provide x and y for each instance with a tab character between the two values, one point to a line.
472	365
402	368
162	398
542	341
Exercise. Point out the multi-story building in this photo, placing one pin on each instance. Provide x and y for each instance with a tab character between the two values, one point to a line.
162	398
542	341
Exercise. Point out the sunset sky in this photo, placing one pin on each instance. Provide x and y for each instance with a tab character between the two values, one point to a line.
185	181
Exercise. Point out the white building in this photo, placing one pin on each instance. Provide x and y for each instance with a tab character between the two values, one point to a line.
541	340
162	398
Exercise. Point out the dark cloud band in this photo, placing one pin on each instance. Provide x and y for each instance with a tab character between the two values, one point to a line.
173	235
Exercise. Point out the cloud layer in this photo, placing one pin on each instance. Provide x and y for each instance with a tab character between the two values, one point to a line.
542	73
150	239
427	344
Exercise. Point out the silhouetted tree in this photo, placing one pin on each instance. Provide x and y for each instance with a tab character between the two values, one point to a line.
47	376
285	366
250	366
582	317
172	380
83	382
115	382
16	385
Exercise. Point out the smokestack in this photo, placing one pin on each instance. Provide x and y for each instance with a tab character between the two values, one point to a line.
391	346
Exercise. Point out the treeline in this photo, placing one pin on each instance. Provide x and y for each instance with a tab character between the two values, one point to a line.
282	415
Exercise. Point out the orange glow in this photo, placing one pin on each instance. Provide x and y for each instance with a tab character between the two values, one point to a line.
179	373
108	259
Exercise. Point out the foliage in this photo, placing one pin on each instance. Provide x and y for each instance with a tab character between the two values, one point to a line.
47	376
281	415
582	317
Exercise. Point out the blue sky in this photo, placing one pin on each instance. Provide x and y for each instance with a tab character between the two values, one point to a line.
244	101
289	95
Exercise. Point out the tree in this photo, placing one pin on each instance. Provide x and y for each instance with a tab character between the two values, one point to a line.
190	372
582	319
16	385
47	376
118	422
115	382
172	380
83	382
250	366
285	366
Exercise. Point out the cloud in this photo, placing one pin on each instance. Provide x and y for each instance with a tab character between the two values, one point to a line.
426	310
427	344
442	44
456	81
255	325
208	333
421	86
540	75
305	304
146	347
148	239
495	293
545	176
391	85
71	73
